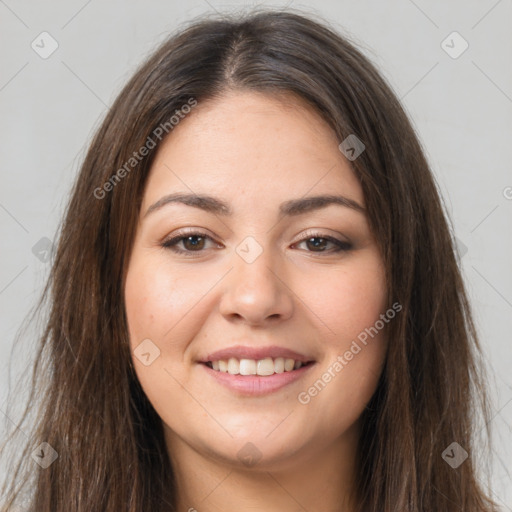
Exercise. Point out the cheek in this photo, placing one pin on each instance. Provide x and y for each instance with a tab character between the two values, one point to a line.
156	300
347	300
361	301
350	303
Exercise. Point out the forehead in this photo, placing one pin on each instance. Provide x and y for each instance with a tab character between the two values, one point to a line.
267	148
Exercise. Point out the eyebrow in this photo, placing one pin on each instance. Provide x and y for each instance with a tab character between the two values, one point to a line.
292	207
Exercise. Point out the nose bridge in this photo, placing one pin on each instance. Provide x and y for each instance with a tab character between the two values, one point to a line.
255	290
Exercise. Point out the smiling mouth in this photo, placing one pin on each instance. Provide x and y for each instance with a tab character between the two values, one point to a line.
261	367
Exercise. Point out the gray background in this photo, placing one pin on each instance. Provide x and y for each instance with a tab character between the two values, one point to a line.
461	107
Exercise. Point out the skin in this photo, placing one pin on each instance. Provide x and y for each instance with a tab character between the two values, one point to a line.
254	152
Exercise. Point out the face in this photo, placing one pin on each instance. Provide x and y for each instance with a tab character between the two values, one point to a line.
263	277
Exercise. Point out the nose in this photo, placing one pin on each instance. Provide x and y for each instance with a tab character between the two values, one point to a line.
257	293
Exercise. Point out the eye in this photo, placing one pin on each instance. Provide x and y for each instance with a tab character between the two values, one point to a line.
194	242
318	242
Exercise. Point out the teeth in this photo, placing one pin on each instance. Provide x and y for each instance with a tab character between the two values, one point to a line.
263	367
233	366
247	367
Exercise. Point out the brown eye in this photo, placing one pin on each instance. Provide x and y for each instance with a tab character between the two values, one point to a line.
318	243
191	242
195	243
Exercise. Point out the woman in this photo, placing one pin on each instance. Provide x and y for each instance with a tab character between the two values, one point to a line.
255	301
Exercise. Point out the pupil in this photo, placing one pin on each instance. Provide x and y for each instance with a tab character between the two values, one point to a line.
317	244
194	244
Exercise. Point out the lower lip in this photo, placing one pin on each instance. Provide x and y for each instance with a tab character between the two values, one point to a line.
256	385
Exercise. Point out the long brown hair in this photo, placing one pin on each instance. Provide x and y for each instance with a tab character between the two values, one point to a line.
93	411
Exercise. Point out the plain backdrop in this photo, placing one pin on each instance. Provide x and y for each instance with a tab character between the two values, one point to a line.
459	99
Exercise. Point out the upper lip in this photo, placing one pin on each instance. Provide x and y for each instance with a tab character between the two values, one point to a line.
248	352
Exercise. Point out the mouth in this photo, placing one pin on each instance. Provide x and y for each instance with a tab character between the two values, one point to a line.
265	367
256	378
253	370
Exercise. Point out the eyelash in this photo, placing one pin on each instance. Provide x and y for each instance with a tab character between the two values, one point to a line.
172	242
